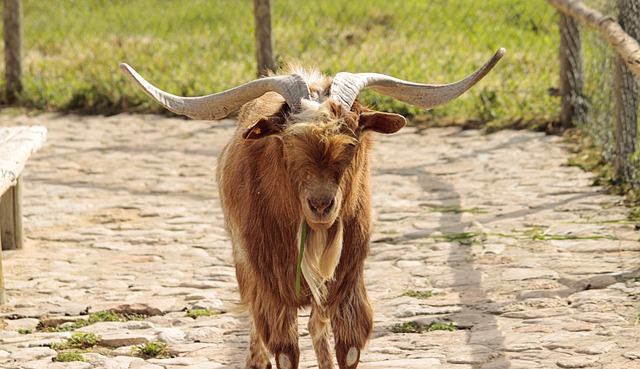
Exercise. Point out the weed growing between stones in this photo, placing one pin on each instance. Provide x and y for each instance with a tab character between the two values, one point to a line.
64	357
634	216
539	234
25	331
78	340
406	327
195	313
151	349
463	238
455	210
441	327
100	316
422	295
413	327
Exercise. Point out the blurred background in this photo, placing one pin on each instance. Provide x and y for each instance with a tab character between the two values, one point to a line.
70	51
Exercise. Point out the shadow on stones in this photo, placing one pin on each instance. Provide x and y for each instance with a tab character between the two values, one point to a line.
484	339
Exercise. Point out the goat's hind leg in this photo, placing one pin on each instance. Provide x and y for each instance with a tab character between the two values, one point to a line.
319	330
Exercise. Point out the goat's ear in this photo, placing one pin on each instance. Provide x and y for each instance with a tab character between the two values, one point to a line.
263	128
381	122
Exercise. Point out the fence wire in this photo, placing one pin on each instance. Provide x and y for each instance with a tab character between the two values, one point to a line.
611	126
71	50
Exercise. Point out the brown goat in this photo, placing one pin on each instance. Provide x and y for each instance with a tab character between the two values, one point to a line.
300	155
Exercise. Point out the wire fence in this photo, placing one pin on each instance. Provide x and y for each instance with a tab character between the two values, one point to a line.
599	87
70	51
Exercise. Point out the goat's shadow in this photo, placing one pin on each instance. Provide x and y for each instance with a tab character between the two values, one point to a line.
465	279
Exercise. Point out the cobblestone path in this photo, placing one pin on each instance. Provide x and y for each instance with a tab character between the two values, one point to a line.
514	259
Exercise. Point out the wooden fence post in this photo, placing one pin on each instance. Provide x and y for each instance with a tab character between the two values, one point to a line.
571	73
626	99
12	23
264	40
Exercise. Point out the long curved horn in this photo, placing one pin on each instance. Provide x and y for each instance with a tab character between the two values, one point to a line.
346	87
216	106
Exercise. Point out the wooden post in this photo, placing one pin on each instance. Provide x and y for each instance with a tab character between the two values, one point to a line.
264	40
11	217
571	71
12	22
626	98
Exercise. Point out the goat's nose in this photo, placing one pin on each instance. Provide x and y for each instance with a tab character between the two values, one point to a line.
320	204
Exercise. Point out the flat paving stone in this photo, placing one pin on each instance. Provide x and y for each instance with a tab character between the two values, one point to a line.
533	265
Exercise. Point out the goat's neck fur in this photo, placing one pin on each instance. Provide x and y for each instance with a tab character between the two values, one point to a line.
320	258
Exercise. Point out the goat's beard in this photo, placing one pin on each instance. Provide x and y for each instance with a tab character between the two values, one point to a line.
320	259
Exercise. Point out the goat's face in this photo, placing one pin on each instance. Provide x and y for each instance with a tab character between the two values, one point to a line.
321	149
317	156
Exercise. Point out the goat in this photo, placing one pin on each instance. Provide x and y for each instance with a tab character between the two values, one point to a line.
300	157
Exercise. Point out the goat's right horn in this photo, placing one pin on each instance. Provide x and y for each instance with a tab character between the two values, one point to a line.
217	106
346	86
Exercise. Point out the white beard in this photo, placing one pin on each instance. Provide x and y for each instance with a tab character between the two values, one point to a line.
320	258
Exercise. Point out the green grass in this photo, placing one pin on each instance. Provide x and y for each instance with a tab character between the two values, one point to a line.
100	316
78	340
421	295
540	234
69	356
195	313
463	238
455	209
441	327
413	327
72	50
151	349
407	327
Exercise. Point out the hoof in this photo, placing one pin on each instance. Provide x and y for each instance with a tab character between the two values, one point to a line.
284	362
352	356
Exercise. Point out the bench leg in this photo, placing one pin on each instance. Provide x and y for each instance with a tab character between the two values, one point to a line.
10	226
11	217
3	295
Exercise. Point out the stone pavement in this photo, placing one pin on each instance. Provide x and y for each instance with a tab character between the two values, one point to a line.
533	266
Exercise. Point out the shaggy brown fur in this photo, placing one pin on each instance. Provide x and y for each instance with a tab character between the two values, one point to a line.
276	170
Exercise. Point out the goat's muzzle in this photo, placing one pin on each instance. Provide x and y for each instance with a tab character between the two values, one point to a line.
321	211
321	205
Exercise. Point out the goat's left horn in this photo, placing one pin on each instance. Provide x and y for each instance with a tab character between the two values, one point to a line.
216	106
346	86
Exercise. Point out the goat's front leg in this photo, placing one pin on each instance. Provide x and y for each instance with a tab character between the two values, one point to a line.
352	322
258	357
277	326
319	330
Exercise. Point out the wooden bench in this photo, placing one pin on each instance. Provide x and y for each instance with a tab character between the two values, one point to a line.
16	146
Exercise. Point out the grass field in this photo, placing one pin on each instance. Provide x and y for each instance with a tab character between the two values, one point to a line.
72	50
